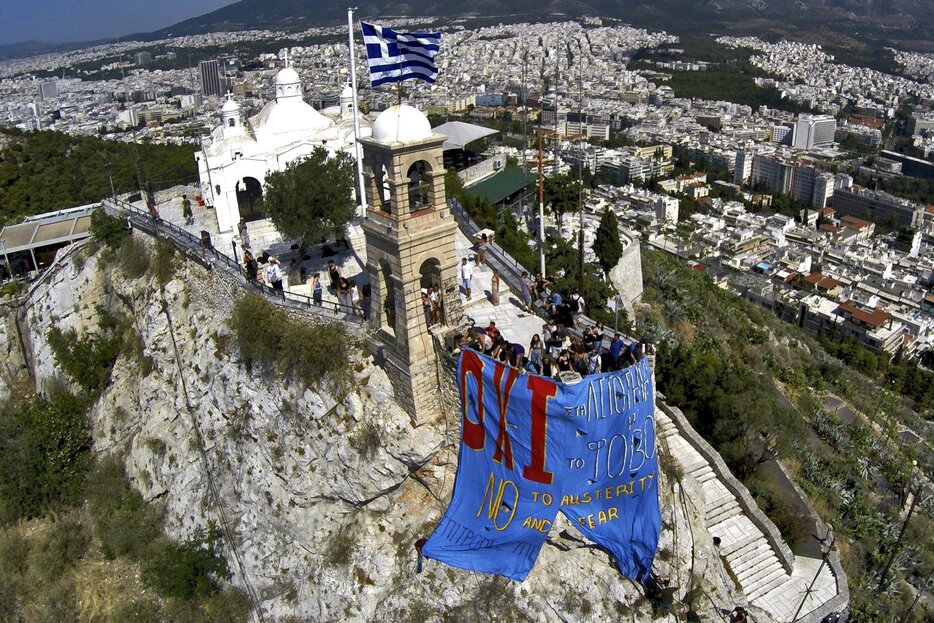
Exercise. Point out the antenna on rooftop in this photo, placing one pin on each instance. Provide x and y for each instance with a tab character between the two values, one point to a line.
580	159
555	145
525	120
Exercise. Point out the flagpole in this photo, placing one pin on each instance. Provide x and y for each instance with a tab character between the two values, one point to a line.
356	114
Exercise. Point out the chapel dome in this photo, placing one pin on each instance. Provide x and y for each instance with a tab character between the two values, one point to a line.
401	123
230	106
289	117
287	76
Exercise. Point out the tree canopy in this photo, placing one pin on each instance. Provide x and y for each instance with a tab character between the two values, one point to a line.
606	244
562	194
311	199
45	171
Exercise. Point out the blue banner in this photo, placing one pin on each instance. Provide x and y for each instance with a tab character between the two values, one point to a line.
531	447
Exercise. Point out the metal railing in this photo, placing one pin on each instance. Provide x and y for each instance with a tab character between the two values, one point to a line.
510	270
208	256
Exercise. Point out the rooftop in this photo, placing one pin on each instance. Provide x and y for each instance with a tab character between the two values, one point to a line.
873	318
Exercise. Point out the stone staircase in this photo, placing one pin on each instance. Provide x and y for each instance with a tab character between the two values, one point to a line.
744	548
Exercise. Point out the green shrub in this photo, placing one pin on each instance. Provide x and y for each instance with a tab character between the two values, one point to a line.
89	359
12	288
134	258
366	440
339	550
227	606
138	611
299	349
123	521
793	526
164	262
58	604
14	563
44	452
108	230
186	570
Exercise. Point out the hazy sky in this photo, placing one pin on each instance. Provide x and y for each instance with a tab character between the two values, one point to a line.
61	21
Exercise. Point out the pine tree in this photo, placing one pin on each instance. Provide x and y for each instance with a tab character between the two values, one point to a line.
607	245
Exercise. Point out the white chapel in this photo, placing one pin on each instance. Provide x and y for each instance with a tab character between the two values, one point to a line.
235	159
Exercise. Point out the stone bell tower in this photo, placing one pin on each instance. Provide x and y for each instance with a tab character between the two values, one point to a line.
409	247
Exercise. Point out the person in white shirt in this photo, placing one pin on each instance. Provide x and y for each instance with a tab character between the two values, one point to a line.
466	275
273	274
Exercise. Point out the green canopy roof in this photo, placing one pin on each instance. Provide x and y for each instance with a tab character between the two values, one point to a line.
505	183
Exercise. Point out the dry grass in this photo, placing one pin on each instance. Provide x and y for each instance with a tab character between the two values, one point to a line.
103	586
89	589
792	466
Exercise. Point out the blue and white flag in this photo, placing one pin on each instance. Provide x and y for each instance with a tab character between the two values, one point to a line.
396	56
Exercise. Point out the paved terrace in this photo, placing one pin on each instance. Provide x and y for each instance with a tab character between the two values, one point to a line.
785	587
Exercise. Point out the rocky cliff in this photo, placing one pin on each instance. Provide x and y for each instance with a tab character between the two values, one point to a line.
322	498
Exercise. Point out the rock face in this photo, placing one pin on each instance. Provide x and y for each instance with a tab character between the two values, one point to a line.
321	498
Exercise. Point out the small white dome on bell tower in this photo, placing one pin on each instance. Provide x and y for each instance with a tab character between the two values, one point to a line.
347	102
230	117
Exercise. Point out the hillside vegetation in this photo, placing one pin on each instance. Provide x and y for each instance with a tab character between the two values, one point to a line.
45	171
752	386
77	542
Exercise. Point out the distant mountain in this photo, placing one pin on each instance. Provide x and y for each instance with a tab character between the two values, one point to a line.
33	48
898	17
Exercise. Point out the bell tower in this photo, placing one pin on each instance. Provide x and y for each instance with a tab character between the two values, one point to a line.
410	247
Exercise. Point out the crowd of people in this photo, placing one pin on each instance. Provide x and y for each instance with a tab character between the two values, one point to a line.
557	349
350	295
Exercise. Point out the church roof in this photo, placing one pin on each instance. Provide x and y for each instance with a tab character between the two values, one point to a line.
287	76
401	123
288	117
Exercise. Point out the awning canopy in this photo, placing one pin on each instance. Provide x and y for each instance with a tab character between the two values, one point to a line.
460	133
59	229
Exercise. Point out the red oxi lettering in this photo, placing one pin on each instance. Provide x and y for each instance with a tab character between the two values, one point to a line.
503	444
542	389
472	365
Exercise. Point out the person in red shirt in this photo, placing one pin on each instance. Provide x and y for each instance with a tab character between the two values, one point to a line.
492	331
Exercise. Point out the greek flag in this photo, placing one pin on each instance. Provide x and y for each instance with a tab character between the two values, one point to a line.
396	56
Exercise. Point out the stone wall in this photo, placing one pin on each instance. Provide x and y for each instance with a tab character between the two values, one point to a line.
626	276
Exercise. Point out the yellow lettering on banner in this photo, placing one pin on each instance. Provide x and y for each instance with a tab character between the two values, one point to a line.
541	525
601	518
613	513
586	499
496	504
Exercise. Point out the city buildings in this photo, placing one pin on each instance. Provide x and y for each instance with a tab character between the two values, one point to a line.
210	78
48	89
813	131
878	207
